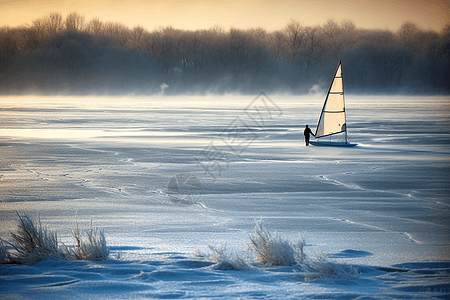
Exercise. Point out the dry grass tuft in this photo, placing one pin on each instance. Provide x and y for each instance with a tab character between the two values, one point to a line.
319	267
3	253
92	248
272	250
226	262
32	243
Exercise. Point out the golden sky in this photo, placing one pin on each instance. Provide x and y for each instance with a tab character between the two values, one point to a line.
204	14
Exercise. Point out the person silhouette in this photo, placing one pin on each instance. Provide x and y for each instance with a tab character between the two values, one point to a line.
307	132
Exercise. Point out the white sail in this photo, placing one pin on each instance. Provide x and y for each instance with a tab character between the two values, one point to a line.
332	118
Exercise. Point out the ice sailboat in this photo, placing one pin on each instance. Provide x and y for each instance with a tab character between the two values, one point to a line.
332	119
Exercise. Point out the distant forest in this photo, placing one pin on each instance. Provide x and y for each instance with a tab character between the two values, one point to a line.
69	55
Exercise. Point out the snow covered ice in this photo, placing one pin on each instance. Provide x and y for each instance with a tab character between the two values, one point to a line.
170	179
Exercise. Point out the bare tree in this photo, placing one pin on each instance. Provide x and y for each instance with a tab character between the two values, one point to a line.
216	29
74	22
216	48
46	27
276	43
197	49
349	35
411	36
21	36
293	36
331	28
445	32
8	48
239	45
95	26
39	31
118	31
258	34
54	23
332	40
312	48
161	43
136	37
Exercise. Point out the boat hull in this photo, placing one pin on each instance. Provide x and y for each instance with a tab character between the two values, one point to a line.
332	144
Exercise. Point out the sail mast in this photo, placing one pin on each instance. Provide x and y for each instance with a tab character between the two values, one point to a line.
343	100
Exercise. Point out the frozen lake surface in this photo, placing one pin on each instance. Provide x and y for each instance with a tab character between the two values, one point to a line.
164	177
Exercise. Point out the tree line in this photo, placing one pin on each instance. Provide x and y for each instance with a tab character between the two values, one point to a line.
70	55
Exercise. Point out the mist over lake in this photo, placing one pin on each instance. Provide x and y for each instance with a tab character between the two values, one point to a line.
68	55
